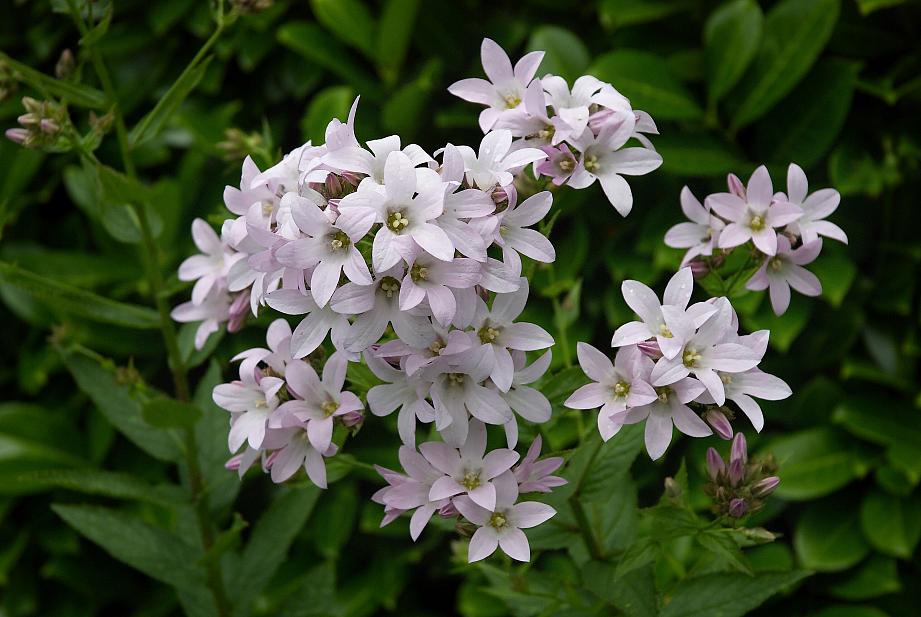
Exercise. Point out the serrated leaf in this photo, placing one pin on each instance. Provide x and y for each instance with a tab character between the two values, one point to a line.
795	32
727	595
71	300
83	96
731	37
647	80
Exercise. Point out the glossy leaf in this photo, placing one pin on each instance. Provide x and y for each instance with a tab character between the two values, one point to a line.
731	37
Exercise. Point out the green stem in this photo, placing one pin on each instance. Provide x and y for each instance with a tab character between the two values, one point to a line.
168	328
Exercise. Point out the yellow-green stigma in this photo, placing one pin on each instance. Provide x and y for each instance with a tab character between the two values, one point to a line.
726	378
621	388
488	334
339	241
690	357
546	132
662	394
437	346
418	273
665	332
566	165
511	100
329	408
471	480
267	207
456	379
390	286
397	222
756	223
590	163
775	263
498	520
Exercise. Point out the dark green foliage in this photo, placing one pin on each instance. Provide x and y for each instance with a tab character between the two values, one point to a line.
95	471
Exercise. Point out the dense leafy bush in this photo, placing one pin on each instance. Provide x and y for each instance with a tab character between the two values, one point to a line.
97	463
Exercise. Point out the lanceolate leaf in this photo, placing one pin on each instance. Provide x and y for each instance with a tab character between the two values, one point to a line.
151	124
731	38
74	301
795	32
349	20
84	96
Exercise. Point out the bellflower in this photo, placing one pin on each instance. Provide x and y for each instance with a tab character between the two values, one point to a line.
491	165
410	492
698	236
533	475
815	206
785	270
669	408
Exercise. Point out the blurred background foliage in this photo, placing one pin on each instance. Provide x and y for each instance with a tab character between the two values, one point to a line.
833	86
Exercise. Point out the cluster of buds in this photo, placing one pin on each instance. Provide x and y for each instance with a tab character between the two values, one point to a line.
782	230
238	144
679	365
739	486
43	126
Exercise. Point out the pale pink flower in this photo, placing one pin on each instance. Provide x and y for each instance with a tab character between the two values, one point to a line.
669	408
815	206
506	86
785	270
401	390
493	164
533	475
500	527
239	200
700	235
250	401
312	330
560	163
211	312
211	267
468	470
292	450
514	236
278	354
356	159
615	386
527	402
429	279
756	216
410	492
743	388
573	107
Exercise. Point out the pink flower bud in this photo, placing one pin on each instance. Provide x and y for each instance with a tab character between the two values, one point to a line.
448	510
737	508
352	418
699	268
17	135
735	186
736	472
238	311
720	423
766	486
650	348
739	449
715	464
233	463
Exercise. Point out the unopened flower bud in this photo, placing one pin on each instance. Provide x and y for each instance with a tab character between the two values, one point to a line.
766	486
238	311
736	472
234	462
65	65
715	464
672	489
720	423
17	135
735	186
739	450
245	7
650	349
500	198
738	507
352	419
8	83
448	510
699	268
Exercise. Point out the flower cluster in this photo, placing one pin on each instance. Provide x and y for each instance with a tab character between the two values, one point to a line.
678	365
482	487
738	486
785	231
581	131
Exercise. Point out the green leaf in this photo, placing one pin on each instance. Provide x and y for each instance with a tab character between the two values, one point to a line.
795	32
393	36
566	54
846	610
837	273
314	44
635	595
74	301
349	20
725	547
121	409
731	37
332	102
405	112
891	524
647	80
812	115
612	463
622	13
727	595
698	154
814	463
827	537
876	577
104	483
152	550
150	125
334	519
166	412
316	596
894	425
83	96
268	545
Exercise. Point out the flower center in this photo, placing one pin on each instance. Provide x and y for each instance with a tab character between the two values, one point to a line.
267	207
502	230
488	334
621	388
726	378
775	263
546	132
471	479
565	165
498	520
437	346
662	394
329	408
339	241
419	273
397	221
390	286
665	332
756	223
511	100
456	379
590	162
690	357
